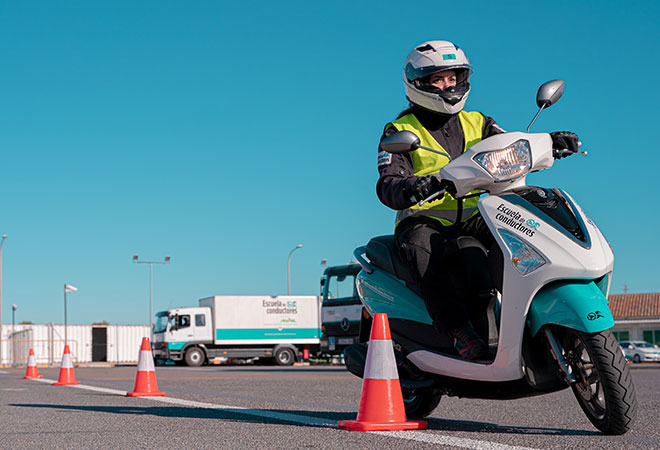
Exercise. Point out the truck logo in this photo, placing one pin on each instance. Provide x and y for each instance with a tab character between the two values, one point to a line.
594	315
345	324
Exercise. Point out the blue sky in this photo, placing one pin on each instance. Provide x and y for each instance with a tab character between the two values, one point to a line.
224	136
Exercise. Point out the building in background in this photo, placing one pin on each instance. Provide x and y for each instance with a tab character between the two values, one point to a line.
636	317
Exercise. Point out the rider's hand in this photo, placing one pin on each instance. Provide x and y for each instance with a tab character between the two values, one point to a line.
564	140
425	186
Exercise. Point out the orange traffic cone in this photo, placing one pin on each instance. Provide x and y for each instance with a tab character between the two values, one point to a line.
32	370
381	403
67	376
145	381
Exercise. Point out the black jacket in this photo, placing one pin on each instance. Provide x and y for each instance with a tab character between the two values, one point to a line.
396	170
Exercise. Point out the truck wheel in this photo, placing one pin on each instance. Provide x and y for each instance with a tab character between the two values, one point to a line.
195	357
284	356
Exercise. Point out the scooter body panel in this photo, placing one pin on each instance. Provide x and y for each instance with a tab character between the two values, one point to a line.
383	293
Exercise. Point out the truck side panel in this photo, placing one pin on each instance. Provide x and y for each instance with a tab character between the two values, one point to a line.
264	319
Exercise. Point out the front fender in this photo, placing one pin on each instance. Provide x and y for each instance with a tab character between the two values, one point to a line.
576	304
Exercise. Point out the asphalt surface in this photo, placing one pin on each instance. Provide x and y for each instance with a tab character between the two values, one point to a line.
296	407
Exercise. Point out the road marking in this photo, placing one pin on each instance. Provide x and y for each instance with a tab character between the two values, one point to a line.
2	371
14	389
418	436
448	440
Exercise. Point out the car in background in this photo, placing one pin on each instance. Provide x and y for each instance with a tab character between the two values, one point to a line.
640	351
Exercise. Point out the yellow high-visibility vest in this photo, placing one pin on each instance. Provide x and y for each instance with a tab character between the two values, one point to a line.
444	208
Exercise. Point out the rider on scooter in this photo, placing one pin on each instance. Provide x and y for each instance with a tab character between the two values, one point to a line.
436	79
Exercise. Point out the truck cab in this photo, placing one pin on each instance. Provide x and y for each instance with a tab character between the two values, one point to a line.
341	309
178	331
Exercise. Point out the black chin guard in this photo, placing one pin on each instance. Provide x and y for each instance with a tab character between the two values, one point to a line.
451	95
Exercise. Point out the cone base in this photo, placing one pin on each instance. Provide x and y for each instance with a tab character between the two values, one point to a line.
371	426
146	394
29	378
57	383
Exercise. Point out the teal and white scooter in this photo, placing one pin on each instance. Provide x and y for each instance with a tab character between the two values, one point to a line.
543	310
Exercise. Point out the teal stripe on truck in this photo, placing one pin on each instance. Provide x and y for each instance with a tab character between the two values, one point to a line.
267	333
175	345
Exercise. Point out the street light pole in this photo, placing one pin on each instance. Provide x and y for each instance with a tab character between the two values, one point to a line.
151	275
288	269
2	241
67	288
13	319
13	334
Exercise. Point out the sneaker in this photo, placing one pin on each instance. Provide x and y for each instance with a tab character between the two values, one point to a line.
468	343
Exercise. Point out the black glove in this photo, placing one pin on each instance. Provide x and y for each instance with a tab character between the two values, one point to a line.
425	186
564	140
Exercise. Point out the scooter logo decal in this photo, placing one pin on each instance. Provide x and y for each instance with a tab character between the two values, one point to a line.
533	224
515	220
594	315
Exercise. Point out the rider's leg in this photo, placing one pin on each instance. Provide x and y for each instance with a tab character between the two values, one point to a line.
422	243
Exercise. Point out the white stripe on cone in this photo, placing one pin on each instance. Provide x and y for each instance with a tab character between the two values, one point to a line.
146	361
31	361
381	364
67	362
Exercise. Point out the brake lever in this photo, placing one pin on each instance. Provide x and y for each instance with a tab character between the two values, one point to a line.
432	197
563	151
583	153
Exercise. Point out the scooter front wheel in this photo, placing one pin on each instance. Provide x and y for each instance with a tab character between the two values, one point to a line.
603	385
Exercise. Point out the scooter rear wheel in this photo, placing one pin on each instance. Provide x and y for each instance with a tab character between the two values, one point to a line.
419	403
603	386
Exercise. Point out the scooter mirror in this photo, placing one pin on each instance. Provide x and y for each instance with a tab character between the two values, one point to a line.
549	93
400	142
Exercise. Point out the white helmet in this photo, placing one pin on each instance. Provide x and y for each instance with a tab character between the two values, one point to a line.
431	57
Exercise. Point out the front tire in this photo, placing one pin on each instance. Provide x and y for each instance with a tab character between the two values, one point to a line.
603	386
419	403
195	357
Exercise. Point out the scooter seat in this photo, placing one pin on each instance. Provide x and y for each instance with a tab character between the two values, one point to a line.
383	253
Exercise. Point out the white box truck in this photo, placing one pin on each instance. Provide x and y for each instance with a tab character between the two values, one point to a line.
236	326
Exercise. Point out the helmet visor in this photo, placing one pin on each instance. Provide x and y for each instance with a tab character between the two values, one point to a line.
413	73
452	94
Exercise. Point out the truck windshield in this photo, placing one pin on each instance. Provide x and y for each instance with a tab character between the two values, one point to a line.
342	286
161	324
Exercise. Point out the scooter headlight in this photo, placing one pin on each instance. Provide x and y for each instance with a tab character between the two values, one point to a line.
507	163
523	256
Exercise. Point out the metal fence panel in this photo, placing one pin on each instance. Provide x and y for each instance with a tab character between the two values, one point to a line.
124	342
47	341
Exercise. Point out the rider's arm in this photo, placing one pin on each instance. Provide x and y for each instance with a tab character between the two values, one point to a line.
394	186
491	127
